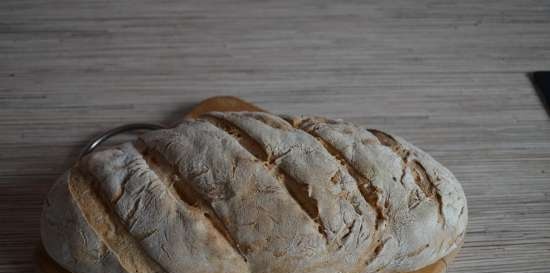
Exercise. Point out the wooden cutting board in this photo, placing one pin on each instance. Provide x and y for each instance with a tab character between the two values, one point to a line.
45	264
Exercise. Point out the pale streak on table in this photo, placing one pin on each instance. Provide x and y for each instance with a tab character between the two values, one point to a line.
448	76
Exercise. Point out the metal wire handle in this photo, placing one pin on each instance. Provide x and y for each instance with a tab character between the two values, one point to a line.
115	131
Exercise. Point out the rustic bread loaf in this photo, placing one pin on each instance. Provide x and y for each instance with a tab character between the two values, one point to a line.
255	192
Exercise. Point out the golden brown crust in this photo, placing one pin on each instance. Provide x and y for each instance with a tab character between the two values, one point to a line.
301	195
45	264
107	225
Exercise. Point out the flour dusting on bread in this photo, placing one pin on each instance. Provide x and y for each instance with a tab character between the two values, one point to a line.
255	192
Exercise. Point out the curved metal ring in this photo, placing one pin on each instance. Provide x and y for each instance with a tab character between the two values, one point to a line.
115	131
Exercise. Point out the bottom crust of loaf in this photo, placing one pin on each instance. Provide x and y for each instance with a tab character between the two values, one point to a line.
45	264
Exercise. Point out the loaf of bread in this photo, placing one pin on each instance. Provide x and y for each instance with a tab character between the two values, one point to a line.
240	192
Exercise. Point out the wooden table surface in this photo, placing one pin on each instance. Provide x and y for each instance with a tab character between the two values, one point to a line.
448	76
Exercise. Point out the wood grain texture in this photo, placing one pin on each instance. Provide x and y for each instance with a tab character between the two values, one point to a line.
449	76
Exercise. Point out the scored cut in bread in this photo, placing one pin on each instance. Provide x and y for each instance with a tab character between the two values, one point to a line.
255	192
